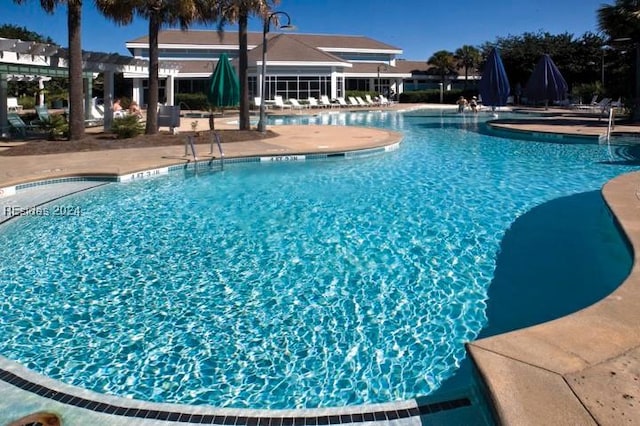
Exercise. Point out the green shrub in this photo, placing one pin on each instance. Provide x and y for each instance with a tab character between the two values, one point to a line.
57	127
361	93
192	101
27	102
127	127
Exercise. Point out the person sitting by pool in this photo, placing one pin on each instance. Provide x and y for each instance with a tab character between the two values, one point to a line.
134	109
117	108
462	104
474	104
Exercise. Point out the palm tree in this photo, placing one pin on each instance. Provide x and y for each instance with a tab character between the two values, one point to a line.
468	58
445	63
621	23
158	12
74	25
239	11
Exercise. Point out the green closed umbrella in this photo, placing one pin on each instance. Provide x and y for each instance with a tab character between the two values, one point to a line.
224	86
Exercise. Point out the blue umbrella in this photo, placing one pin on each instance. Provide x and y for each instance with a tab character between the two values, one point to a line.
546	82
494	84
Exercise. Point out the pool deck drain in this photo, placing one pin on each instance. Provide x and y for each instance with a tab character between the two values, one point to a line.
580	369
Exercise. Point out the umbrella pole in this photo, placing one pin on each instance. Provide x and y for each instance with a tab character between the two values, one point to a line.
212	123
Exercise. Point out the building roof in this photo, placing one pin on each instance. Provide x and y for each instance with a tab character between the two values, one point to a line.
230	38
285	48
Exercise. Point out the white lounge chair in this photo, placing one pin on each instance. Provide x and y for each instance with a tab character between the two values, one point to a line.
342	102
280	103
361	101
313	103
369	100
257	101
324	101
353	101
295	104
384	101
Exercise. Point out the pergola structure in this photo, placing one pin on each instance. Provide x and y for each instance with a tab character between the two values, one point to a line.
28	60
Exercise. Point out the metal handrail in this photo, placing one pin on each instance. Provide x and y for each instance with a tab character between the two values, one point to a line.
216	136
189	143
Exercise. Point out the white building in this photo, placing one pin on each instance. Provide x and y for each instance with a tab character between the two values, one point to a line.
298	65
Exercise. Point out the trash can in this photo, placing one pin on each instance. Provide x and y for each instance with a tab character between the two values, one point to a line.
169	116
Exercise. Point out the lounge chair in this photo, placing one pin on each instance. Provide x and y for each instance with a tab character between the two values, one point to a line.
353	101
257	101
43	116
361	101
384	101
313	103
370	101
342	102
324	101
295	104
21	128
280	103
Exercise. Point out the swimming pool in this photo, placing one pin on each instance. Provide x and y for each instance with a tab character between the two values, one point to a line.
326	283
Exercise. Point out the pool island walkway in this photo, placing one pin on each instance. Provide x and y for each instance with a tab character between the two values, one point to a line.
582	369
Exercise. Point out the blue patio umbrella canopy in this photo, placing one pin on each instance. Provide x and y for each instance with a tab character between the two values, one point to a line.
224	86
494	84
546	82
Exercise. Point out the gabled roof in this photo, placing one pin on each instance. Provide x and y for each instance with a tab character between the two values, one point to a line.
202	38
285	48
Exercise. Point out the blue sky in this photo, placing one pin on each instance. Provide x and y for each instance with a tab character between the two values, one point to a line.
419	27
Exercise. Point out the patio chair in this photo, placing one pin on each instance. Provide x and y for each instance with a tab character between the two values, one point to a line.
324	101
43	116
384	101
295	104
313	103
22	129
13	106
353	101
280	103
342	102
257	101
361	101
370	101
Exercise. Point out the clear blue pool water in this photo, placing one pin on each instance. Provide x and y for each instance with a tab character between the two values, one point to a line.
311	284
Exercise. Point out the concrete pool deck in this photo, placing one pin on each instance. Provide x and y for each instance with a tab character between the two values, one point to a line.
580	369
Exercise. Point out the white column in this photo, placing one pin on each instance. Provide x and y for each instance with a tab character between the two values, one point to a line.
108	99
41	91
137	91
334	84
169	90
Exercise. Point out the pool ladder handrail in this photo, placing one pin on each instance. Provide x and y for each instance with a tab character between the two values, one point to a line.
189	143
216	136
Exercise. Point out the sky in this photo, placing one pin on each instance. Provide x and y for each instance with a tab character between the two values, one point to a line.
418	27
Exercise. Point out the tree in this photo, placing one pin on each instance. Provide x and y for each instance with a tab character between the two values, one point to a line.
239	11
621	23
76	99
444	62
468	58
158	13
22	33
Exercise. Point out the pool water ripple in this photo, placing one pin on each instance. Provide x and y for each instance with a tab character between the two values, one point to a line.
320	284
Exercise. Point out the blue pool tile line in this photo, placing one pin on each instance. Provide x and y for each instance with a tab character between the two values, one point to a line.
225	419
27	185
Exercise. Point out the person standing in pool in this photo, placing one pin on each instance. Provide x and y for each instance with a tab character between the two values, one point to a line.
474	104
462	104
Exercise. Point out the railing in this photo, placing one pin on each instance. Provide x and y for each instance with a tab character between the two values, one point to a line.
216	136
189	143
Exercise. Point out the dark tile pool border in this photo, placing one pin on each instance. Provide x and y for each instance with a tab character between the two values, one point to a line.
367	414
